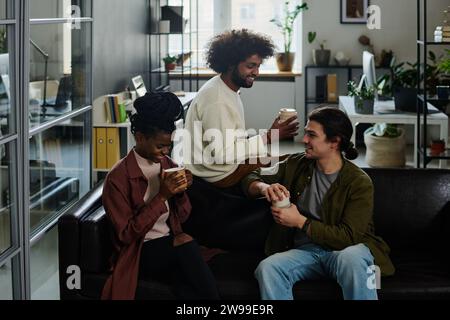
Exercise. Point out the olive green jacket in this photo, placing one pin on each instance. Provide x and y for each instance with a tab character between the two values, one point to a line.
346	211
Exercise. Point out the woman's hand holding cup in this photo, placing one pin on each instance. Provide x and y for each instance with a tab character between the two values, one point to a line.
173	181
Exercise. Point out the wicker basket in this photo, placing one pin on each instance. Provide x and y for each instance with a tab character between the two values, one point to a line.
384	152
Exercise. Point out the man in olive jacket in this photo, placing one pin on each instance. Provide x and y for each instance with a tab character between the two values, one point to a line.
328	230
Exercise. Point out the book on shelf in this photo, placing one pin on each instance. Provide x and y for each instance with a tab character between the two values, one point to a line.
114	109
332	88
442	33
321	88
441	39
443	28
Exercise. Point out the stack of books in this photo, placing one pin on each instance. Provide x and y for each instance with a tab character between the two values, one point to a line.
442	34
115	110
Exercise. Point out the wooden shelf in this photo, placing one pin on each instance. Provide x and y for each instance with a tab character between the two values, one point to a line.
112	125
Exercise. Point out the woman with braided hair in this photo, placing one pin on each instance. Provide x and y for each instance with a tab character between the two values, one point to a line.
146	208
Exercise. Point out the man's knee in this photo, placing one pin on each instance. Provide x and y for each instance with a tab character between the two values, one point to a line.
266	267
353	257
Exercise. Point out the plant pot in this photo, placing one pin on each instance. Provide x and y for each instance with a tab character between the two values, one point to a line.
406	99
442	92
285	60
384	152
321	57
364	106
170	66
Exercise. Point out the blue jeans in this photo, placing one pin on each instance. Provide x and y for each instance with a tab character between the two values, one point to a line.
278	273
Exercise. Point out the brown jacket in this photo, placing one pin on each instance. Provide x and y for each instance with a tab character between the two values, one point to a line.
123	200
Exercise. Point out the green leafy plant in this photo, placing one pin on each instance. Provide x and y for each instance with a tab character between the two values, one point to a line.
387	130
312	36
404	75
286	25
364	93
444	65
3	42
169	59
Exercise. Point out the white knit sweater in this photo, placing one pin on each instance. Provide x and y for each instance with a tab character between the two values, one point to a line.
218	107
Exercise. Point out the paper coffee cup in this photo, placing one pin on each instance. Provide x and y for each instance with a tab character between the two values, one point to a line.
286	113
180	170
176	171
285	203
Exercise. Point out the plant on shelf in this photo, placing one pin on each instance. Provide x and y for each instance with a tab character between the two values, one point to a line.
285	60
443	67
321	57
385	145
170	62
364	97
444	64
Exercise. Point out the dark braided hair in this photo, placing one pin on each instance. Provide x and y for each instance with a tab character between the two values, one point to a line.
336	123
156	112
232	47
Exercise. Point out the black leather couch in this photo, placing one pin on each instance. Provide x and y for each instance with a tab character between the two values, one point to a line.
412	213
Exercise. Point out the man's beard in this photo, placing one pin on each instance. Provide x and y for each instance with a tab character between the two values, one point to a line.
238	80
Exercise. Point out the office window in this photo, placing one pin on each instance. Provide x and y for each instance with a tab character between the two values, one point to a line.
47	9
59	169
60	63
247	11
7	114
6	283
7	195
220	15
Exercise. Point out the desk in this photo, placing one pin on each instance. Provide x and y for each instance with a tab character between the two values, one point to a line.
384	111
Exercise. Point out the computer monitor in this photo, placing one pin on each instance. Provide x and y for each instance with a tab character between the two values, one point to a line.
369	72
139	86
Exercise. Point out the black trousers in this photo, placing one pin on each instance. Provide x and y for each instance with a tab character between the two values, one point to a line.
183	267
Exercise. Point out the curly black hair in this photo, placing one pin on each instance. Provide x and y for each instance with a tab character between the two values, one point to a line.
156	112
232	47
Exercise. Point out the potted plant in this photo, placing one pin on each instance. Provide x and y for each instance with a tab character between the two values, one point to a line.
385	145
364	97
285	59
403	82
443	67
170	62
404	86
321	57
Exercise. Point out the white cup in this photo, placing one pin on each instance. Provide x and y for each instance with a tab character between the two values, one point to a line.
286	113
285	203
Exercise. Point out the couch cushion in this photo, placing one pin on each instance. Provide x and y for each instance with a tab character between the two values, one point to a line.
419	275
411	207
227	221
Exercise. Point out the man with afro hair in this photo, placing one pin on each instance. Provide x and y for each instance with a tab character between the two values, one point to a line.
236	56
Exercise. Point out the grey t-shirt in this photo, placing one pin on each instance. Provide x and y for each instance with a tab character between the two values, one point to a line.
310	201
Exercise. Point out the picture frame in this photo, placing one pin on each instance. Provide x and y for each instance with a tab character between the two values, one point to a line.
354	11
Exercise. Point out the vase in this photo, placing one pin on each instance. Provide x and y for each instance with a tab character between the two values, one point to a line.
285	61
384	152
321	57
405	99
363	106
